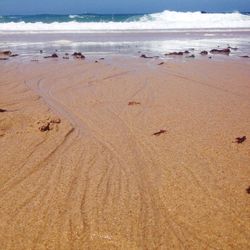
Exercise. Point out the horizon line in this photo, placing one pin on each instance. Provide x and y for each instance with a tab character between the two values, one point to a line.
145	13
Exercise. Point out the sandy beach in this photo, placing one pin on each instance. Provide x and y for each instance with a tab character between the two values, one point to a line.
124	154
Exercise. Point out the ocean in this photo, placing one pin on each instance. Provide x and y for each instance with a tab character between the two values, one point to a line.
154	33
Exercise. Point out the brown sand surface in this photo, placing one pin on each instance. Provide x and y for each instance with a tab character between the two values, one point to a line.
99	179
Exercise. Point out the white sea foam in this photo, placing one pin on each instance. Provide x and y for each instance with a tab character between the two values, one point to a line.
166	20
208	34
75	16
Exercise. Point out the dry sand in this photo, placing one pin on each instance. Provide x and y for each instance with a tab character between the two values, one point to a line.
99	179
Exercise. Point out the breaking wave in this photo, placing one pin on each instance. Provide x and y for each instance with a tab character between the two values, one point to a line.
166	20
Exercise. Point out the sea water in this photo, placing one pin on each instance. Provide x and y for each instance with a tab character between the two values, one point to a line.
156	33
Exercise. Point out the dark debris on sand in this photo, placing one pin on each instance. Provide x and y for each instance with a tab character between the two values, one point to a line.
48	125
181	53
248	190
162	131
54	55
175	54
204	52
147	57
45	127
6	53
240	140
192	56
133	103
78	55
3	110
226	51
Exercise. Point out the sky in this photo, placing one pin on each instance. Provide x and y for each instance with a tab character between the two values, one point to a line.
117	6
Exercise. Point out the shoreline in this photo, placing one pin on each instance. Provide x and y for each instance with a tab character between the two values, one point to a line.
217	54
126	44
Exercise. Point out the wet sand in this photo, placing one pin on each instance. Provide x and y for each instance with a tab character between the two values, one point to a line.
126	42
100	179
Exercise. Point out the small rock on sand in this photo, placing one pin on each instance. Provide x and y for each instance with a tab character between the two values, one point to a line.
220	51
78	55
175	54
144	56
204	52
54	55
6	52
